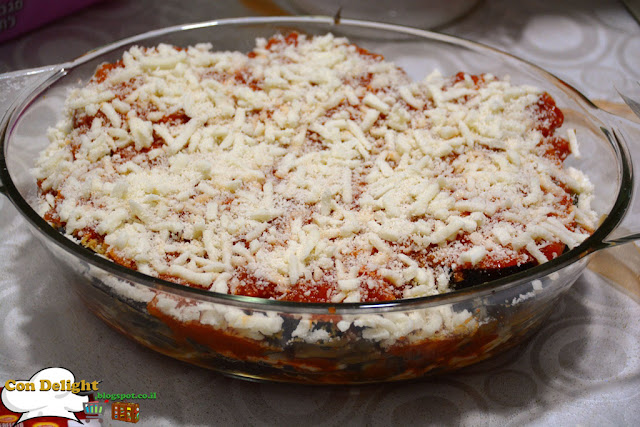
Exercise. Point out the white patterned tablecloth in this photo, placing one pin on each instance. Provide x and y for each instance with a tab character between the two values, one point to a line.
582	368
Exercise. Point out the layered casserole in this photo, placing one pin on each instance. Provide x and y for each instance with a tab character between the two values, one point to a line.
312	170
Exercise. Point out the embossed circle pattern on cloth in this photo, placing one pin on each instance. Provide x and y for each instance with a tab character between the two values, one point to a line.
568	356
439	401
499	387
270	403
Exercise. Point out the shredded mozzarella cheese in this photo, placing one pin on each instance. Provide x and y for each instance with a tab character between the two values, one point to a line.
307	163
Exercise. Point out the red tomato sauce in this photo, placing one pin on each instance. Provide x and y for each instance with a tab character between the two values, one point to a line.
548	118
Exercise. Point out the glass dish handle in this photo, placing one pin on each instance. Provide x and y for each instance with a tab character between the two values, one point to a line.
12	85
628	133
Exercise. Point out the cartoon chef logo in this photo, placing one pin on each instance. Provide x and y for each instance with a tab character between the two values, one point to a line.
51	392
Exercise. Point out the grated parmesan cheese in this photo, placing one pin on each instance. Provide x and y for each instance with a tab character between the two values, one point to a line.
308	164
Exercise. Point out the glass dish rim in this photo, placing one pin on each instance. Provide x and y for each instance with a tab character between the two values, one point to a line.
595	242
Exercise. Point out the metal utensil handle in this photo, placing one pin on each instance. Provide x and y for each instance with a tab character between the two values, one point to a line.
627	133
12	85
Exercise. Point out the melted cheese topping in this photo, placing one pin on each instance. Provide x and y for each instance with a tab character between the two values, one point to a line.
309	169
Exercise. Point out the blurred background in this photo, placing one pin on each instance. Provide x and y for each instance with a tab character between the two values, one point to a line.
592	44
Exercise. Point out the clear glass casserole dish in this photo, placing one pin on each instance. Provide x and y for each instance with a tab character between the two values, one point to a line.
343	343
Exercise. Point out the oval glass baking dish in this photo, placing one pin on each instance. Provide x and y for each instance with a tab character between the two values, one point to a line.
316	343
